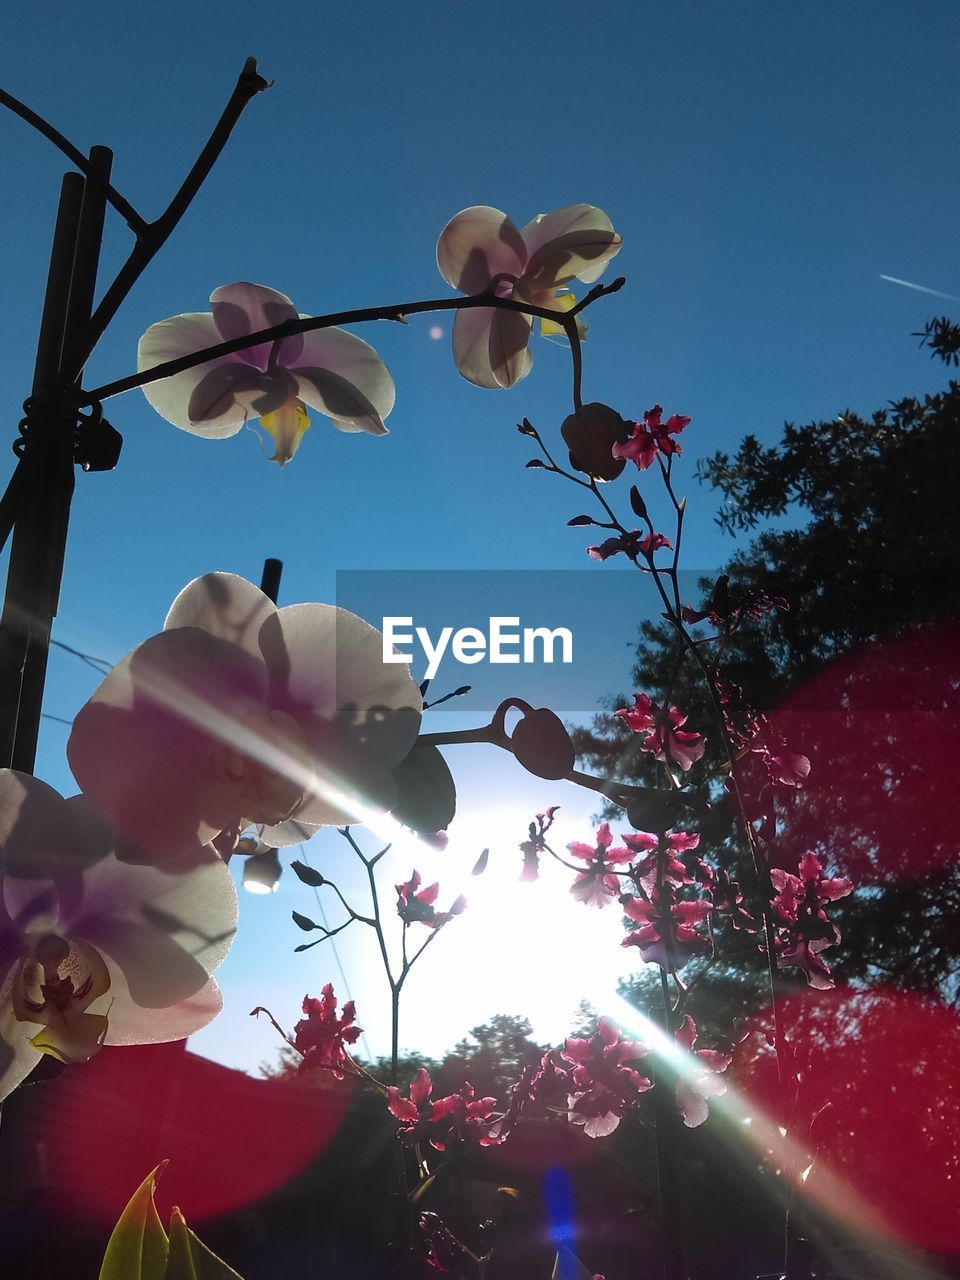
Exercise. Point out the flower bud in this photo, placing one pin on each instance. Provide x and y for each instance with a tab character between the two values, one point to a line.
590	435
542	745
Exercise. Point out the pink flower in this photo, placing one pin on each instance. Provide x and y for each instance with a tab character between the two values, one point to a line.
631	545
603	1087
321	1036
415	905
668	936
663	732
650	437
694	1090
806	930
458	1119
481	250
728	901
328	370
661	861
599	883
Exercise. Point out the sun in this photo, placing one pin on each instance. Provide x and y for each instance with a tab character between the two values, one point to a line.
519	948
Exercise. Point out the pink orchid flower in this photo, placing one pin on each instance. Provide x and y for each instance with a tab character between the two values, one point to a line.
599	883
603	1086
92	950
415	905
481	250
663	731
701	1082
321	1037
328	370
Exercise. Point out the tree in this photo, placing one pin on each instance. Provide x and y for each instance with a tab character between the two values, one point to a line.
860	674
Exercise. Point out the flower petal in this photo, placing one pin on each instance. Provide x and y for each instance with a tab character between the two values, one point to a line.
340	375
359	714
578	240
166	931
224	605
18	1056
233	386
39	835
477	245
129	1023
490	346
181	336
144	748
239	309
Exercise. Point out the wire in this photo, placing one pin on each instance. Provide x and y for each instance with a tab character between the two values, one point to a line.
99	664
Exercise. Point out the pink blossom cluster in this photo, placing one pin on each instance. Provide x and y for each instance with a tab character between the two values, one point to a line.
460	1118
651	437
662	733
321	1037
415	905
804	930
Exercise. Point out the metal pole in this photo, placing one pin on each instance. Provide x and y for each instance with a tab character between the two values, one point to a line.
270	580
47	468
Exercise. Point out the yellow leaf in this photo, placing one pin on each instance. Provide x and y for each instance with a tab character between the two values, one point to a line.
190	1259
137	1249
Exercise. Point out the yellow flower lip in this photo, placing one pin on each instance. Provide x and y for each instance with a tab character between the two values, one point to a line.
287	425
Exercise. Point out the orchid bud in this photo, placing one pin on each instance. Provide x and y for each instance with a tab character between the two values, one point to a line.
542	745
590	435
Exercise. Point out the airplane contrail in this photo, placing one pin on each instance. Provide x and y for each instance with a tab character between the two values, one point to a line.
907	284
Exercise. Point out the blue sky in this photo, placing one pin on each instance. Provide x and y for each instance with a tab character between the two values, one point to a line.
765	163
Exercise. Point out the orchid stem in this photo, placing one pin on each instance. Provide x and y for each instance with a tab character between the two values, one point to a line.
289	328
154	235
134	221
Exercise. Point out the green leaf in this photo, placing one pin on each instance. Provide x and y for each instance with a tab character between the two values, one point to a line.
137	1249
581	520
190	1259
307	874
304	922
427	795
534	462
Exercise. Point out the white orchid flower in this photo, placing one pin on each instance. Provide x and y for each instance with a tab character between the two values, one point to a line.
329	370
94	951
481	249
239	713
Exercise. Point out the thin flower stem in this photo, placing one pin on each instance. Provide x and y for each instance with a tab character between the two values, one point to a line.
668	1173
673	615
615	790
569	865
354	915
359	315
152	237
329	933
576	358
134	221
419	952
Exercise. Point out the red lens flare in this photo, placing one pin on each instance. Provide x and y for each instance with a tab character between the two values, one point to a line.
230	1139
878	1107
